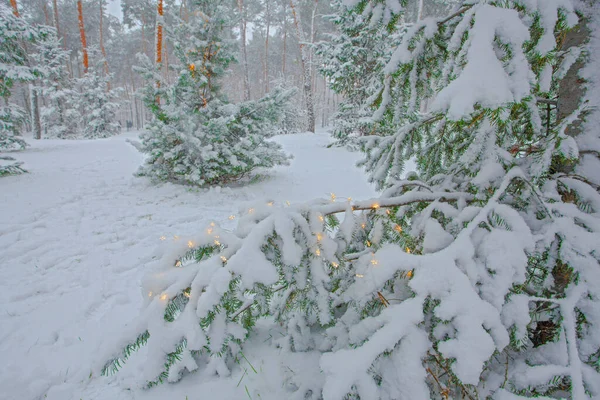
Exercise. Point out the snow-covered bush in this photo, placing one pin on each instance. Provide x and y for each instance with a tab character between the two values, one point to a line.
477	277
196	137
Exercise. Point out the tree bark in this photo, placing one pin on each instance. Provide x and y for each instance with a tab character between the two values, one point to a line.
240	4
82	35
102	49
268	22
35	113
159	37
13	3
284	39
306	68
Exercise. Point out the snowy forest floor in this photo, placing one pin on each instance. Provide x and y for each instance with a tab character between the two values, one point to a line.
75	235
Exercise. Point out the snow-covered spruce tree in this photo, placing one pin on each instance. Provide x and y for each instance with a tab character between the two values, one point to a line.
15	35
196	137
59	114
98	102
478	277
353	60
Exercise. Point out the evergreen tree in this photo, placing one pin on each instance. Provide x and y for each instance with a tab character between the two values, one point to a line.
98	103
475	277
197	137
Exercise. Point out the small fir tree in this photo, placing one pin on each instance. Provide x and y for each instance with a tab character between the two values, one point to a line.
196	137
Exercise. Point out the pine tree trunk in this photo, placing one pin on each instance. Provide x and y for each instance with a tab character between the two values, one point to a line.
420	10
306	76
35	113
45	9
102	49
82	35
244	53
159	36
266	72
13	3
284	39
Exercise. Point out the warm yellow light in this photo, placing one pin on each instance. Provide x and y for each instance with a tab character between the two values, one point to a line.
375	206
217	243
223	258
232	217
408	250
360	276
187	294
321	218
178	263
388	212
363	225
349	199
190	244
332	196
150	294
374	262
409	274
398	228
212	224
319	236
209	231
163	238
250	211
175	237
270	204
287	202
334	264
368	244
318	252
163	296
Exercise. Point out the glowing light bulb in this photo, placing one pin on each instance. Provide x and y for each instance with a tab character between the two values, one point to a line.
374	262
190	244
321	218
368	244
163	238
187	294
375	206
250	211
408	250
223	258
163	296
334	264
150	294
318	252
287	203
363	225
178	263
409	274
270	204
388	212
319	236
209	231
349	199
217	243
212	224
398	228
360	276
333	196
232	217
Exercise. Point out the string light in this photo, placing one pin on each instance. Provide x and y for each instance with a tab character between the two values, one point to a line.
209	231
178	263
217	243
163	296
187	294
321	218
409	274
374	262
363	225
212	224
318	252
332	196
398	228
375	206
360	276
232	217
368	244
408	250
163	238
349	199
250	211
190	244
150	294
223	258
287	203
334	264
319	236
270	204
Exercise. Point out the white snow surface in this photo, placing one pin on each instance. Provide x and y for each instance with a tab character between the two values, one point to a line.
76	234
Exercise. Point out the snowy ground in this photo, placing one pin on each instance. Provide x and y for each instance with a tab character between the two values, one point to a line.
75	235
